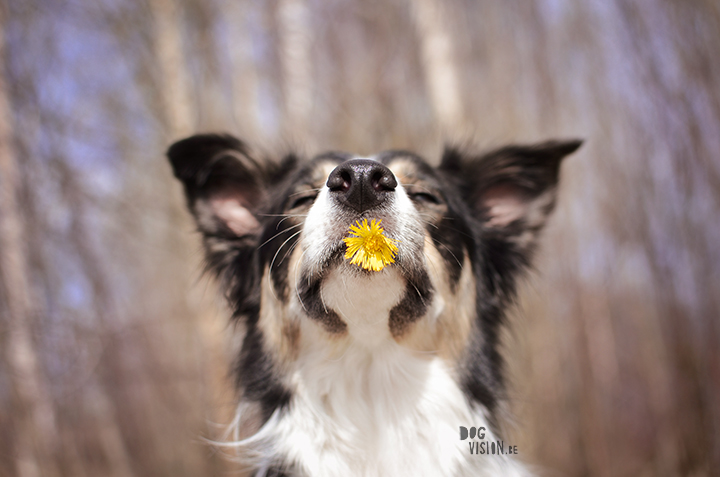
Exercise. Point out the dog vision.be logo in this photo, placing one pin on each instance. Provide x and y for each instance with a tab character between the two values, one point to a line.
484	447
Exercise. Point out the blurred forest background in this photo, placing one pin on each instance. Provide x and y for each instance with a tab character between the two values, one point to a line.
113	350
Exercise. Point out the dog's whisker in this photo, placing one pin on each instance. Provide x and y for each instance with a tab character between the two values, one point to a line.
283	220
428	219
278	234
297	290
272	263
289	252
282	215
450	252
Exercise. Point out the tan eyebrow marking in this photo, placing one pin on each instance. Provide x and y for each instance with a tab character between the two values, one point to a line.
405	170
321	173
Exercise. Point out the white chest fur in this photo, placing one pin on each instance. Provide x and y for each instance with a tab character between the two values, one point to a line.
365	405
382	413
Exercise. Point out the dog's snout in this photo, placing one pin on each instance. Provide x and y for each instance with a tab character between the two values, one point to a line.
361	183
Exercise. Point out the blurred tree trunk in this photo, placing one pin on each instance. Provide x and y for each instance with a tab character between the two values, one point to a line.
101	407
174	87
439	63
34	420
179	118
296	61
244	72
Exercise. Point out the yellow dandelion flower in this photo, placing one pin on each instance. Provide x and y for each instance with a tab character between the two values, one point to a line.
368	247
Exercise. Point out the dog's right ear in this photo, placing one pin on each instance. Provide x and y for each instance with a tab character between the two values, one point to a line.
226	191
224	185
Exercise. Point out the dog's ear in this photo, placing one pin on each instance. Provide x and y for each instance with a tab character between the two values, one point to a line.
226	191
224	185
511	190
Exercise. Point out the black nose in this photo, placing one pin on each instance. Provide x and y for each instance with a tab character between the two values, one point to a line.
361	183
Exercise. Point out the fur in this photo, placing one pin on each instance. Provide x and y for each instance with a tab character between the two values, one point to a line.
343	371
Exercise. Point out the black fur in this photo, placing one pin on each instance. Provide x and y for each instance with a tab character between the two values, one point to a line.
413	306
496	259
256	377
205	164
309	293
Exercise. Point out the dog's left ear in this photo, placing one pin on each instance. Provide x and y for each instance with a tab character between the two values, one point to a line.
511	190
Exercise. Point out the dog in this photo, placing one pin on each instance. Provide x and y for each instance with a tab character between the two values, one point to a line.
349	371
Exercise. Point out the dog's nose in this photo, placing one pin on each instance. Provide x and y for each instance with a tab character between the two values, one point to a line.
361	183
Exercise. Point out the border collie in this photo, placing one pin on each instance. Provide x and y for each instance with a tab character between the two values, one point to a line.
345	371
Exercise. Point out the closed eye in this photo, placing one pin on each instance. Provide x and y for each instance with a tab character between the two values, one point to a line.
303	200
424	197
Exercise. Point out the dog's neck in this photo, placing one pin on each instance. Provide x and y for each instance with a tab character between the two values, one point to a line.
364	377
364	404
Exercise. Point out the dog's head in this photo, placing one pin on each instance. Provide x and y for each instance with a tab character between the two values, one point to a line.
274	231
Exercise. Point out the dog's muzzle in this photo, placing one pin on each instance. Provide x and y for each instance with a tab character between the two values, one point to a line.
361	184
